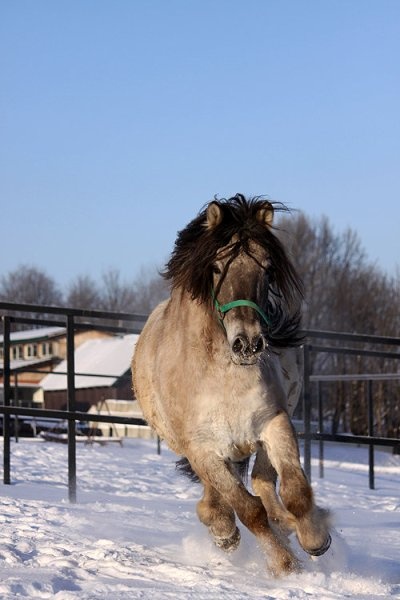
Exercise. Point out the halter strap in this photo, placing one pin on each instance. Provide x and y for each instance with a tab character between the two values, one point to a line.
224	308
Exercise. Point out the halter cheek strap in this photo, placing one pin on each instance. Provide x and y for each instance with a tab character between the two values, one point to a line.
224	308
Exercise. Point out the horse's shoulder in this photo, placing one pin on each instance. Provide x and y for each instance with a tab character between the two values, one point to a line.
157	314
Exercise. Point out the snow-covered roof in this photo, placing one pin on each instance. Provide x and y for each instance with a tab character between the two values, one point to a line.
22	363
35	334
104	356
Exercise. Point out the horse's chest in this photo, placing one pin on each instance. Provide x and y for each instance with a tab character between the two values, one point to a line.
230	422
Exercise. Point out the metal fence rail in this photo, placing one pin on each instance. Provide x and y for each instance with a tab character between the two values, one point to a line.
369	440
125	323
73	319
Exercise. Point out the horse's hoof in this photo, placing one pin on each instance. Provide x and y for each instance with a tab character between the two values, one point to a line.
228	544
320	551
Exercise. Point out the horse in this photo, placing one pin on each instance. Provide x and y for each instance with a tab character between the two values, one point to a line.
217	374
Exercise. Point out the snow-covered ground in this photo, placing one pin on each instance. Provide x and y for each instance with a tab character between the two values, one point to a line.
133	532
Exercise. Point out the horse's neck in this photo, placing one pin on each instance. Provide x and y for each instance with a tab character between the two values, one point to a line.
197	319
192	312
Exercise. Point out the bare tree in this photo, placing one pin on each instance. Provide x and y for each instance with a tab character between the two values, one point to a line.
140	295
326	262
150	289
84	292
29	285
117	295
345	292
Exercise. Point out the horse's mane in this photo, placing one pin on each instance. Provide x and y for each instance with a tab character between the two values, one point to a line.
196	248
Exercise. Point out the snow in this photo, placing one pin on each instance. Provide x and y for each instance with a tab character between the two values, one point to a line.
35	334
134	534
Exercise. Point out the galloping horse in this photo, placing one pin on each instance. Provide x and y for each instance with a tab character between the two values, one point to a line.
217	375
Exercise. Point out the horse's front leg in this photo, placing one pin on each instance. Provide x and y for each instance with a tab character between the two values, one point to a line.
219	517
310	522
217	474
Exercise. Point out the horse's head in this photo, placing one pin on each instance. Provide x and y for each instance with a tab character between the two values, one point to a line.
240	287
230	259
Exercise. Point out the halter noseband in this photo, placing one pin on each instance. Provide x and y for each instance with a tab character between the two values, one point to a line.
224	308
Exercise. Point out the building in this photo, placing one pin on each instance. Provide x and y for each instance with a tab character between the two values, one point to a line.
102	372
33	354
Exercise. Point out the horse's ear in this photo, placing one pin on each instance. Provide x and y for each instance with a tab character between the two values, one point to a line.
265	215
214	215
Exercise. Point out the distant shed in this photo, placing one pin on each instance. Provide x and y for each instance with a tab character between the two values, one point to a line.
34	352
102	371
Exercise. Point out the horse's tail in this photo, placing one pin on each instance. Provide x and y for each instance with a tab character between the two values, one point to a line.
184	467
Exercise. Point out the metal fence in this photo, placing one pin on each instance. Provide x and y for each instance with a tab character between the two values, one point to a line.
72	320
375	349
125	323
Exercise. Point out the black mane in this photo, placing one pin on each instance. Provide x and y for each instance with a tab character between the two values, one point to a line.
192	260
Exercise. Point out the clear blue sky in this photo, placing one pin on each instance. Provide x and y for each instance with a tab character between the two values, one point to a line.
119	119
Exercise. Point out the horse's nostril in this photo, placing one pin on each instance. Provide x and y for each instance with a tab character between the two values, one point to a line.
257	344
239	345
244	347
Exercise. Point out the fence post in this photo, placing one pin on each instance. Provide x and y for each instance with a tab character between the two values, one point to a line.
71	406
371	456
6	389
16	420
307	412
320	430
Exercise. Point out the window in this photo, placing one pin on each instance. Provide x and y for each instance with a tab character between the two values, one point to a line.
17	352
47	349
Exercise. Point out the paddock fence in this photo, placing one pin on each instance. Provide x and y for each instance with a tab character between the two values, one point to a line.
355	345
73	320
311	430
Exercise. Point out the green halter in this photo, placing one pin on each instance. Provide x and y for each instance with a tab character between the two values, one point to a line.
224	308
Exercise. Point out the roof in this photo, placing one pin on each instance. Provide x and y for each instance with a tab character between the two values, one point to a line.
104	356
23	363
31	335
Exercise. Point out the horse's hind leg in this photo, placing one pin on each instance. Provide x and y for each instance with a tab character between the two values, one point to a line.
219	517
310	522
213	470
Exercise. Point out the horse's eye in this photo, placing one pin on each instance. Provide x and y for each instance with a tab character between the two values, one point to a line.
216	270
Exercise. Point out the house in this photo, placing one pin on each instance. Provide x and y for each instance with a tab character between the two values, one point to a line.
102	371
35	352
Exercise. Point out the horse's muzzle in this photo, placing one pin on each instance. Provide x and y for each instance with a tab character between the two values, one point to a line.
246	351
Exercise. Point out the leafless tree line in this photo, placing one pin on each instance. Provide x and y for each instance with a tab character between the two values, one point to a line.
344	291
31	285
